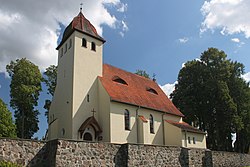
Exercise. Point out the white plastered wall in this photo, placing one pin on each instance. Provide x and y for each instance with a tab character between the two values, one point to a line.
200	140
61	106
87	67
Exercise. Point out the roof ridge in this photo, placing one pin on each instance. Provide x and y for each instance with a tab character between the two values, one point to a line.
131	73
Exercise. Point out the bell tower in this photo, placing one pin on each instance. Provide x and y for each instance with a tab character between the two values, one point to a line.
80	62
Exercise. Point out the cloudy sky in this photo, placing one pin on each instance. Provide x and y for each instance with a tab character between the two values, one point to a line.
156	36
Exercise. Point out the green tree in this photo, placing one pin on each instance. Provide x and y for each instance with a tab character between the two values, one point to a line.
204	93
7	128
25	88
142	73
50	76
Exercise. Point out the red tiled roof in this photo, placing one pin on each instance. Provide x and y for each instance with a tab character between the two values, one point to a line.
185	126
80	23
143	118
135	92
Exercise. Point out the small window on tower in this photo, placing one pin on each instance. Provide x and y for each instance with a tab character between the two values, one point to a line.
88	98
62	52
93	46
84	42
70	43
65	48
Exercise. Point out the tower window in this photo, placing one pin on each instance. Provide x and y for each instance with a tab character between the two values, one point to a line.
127	120
194	141
151	123
93	47
65	48
189	140
70	43
84	42
88	98
62	52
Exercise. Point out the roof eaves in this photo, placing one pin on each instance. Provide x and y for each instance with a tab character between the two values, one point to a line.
71	32
114	100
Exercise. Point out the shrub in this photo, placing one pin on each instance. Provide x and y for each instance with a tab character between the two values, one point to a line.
8	164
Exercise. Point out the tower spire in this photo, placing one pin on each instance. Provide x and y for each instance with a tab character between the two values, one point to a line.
81	7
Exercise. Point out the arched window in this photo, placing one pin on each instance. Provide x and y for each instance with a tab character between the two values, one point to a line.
151	123
127	120
84	42
93	46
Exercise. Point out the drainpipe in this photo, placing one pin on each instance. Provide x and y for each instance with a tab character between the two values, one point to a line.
185	137
163	129
137	124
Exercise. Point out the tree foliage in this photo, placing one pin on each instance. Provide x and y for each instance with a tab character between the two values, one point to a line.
50	76
25	88
142	73
7	128
213	96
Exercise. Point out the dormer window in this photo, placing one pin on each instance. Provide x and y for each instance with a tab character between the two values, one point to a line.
84	42
151	90
119	80
93	47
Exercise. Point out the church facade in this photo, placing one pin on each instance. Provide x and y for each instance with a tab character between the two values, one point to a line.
99	102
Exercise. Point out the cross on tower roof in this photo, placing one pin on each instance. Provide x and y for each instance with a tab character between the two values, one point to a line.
81	7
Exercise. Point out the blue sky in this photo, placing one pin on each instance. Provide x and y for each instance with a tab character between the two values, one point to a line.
156	36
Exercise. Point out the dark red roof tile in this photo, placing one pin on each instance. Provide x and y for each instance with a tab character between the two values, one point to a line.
185	126
135	92
80	23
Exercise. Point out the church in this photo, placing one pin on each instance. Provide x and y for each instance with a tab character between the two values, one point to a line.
99	102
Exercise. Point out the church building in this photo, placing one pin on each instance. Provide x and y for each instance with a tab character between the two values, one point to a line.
99	102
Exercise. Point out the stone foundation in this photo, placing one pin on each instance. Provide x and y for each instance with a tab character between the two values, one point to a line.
80	153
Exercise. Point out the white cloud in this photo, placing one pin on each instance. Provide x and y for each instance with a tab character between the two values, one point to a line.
122	7
236	40
246	76
30	28
168	88
229	16
183	40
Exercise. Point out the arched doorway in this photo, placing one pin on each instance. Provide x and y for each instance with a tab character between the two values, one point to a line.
87	136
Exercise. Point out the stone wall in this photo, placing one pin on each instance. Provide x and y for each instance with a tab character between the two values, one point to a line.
230	159
80	153
150	155
28	152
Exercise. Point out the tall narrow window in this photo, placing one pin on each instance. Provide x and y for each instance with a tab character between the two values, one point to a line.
65	48
70	43
189	140
62	52
194	141
127	119
84	42
93	46
151	123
